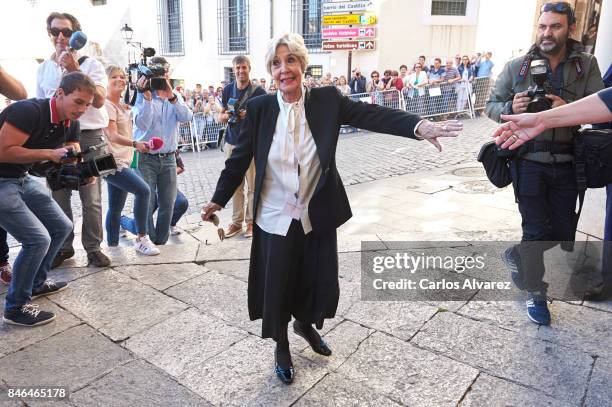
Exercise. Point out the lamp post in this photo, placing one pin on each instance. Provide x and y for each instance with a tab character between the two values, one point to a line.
127	33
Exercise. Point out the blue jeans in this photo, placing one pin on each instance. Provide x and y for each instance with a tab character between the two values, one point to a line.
4	249
159	172
35	220
547	199
180	207
119	184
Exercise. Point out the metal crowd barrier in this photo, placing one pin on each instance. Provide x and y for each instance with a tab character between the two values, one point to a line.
434	100
481	91
200	133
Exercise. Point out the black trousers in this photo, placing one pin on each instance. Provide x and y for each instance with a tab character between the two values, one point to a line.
293	276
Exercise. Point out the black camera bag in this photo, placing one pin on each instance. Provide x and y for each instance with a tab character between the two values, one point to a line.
593	158
496	163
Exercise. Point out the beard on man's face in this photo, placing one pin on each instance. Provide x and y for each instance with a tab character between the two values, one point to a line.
552	44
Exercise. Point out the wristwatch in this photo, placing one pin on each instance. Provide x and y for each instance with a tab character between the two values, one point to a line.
134	143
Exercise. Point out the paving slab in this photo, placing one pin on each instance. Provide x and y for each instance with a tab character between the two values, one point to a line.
400	319
235	248
218	295
337	391
344	340
600	390
494	392
15	337
115	304
68	274
238	269
73	359
184	341
244	375
162	276
136	384
556	370
406	374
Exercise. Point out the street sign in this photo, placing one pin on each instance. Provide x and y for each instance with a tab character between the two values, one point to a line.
349	45
357	32
346	6
349	19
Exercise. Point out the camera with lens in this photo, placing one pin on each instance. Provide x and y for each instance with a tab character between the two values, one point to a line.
155	72
537	92
93	162
234	117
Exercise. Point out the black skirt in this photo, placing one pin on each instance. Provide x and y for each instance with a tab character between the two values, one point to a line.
293	275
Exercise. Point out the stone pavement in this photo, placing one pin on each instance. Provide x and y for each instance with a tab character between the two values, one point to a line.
173	330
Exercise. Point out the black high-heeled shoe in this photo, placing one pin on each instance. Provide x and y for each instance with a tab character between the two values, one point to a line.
321	348
284	374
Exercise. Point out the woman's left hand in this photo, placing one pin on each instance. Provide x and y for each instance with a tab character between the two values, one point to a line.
430	131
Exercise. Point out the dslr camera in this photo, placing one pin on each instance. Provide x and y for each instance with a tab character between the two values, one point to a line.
93	162
538	69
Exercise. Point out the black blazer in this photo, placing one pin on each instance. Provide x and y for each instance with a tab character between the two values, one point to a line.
326	110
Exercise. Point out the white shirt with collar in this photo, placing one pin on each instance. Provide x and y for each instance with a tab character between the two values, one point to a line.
292	171
50	75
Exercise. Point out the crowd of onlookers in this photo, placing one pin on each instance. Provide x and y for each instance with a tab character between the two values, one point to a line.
411	80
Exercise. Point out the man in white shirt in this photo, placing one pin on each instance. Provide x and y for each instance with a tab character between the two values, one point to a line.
60	27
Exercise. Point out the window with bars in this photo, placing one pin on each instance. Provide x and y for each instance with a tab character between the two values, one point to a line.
98	2
306	20
228	74
233	26
448	7
170	21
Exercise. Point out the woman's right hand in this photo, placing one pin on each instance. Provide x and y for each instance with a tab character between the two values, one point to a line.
142	147
208	210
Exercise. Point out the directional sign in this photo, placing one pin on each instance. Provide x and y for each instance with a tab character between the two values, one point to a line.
346	6
357	32
349	45
349	19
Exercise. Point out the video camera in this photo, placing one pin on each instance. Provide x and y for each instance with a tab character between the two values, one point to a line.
538	69
231	111
93	162
155	73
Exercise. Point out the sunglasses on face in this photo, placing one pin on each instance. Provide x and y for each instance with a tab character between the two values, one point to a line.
374	76
66	32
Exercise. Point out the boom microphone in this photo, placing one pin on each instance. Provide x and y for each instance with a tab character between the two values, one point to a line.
77	40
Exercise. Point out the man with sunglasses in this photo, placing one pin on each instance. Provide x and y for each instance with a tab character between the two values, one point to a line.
60	26
543	178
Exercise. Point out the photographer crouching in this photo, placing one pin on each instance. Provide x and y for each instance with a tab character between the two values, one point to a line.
554	72
32	131
158	113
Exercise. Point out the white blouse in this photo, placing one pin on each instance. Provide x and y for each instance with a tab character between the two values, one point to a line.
292	171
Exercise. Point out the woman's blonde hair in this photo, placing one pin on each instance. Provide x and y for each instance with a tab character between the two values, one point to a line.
112	68
295	43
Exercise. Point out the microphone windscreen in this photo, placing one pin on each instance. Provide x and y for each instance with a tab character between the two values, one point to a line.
156	143
77	40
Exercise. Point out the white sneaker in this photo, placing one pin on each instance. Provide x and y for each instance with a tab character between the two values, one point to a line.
122	232
145	246
174	230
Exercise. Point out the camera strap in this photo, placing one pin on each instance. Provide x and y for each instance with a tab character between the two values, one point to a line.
82	59
245	95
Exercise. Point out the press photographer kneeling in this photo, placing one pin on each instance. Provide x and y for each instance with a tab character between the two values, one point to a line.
32	131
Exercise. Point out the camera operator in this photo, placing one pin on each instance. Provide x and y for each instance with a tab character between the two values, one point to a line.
32	131
234	99
157	113
12	89
543	176
60	27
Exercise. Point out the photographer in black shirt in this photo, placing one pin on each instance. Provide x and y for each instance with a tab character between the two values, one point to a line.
32	131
